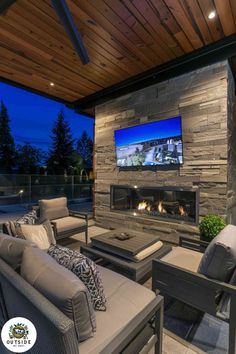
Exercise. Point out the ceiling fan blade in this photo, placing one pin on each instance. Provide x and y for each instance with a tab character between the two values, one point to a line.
66	19
5	4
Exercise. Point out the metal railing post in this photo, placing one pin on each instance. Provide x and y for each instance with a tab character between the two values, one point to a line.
72	187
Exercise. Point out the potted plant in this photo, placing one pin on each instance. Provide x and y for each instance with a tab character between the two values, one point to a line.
210	226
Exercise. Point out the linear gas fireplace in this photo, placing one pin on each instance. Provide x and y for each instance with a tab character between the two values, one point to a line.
166	203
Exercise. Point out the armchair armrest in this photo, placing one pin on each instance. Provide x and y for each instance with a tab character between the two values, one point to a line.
78	214
193	243
192	288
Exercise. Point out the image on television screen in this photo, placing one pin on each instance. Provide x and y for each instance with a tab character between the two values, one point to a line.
152	144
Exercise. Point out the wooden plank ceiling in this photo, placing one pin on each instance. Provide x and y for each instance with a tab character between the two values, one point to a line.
123	38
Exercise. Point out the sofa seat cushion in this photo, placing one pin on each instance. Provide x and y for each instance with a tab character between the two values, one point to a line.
12	249
219	260
62	288
53	208
125	300
68	223
183	258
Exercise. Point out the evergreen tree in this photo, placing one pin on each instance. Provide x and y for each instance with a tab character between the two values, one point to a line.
60	155
85	148
7	146
29	159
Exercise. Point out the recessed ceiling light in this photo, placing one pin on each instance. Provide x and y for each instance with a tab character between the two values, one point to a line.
211	15
51	83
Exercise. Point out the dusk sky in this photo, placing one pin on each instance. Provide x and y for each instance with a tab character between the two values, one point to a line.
144	132
32	117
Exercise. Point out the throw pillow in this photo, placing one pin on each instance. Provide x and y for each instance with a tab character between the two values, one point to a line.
29	218
62	288
85	269
42	235
10	227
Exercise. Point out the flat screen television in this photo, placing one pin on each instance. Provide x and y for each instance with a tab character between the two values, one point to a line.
152	144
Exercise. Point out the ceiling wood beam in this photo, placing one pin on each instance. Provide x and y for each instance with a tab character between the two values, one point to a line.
5	4
66	19
218	51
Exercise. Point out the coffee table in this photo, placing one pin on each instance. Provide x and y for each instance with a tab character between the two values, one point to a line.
137	271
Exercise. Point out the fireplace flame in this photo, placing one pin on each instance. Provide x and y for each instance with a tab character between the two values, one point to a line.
143	206
182	211
160	208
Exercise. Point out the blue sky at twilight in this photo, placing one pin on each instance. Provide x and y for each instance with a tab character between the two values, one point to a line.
32	117
145	132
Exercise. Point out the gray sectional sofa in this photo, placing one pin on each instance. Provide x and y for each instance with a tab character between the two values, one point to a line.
132	322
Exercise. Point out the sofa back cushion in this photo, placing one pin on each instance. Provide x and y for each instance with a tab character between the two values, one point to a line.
62	288
219	259
51	209
12	249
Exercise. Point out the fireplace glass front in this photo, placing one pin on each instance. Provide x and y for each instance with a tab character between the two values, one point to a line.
176	204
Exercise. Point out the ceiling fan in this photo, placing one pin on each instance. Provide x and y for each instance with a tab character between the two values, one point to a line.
67	21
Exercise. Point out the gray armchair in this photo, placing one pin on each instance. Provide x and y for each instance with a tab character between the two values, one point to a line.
65	222
180	275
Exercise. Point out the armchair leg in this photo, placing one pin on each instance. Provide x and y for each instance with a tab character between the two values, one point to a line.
159	328
86	236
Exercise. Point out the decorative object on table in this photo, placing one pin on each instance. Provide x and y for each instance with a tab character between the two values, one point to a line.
85	269
122	236
210	226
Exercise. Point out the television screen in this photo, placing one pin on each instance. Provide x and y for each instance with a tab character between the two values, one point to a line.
151	144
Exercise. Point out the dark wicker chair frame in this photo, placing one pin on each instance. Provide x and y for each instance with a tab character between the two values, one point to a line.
195	289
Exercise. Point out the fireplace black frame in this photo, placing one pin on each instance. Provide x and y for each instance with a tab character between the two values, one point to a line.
184	189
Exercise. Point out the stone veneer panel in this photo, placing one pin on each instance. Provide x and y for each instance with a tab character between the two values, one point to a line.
201	98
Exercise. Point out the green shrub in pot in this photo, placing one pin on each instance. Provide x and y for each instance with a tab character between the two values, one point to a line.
210	226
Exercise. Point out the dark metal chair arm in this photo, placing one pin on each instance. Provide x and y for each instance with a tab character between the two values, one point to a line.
193	243
78	214
160	266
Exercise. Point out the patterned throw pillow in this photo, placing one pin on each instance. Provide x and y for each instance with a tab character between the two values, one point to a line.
30	218
11	227
85	269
